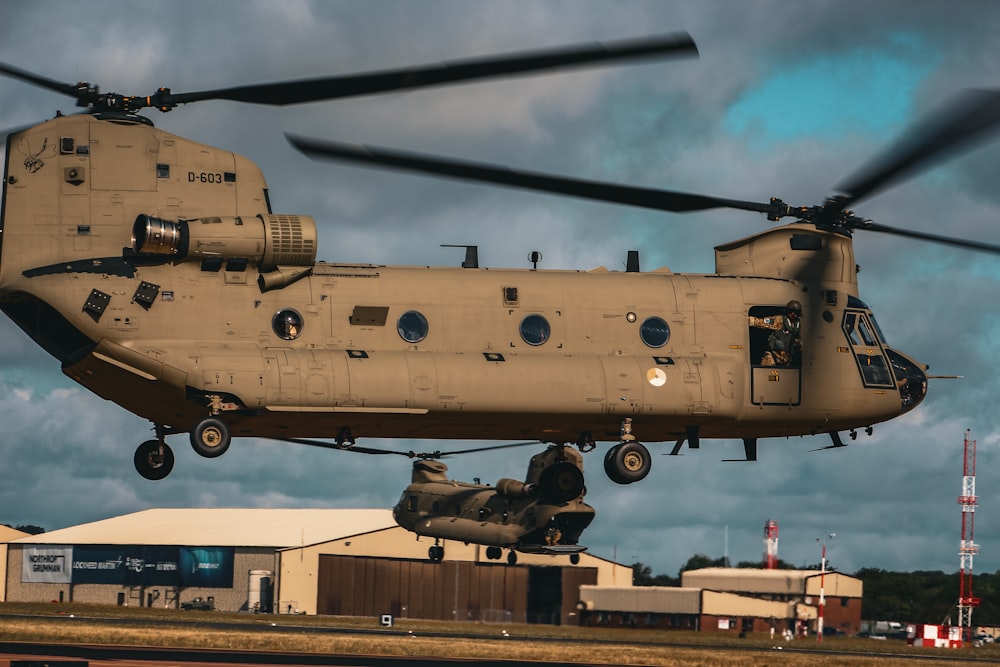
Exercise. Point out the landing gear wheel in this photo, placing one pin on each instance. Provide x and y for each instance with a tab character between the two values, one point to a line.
561	482
436	553
512	557
627	462
210	437
493	553
151	463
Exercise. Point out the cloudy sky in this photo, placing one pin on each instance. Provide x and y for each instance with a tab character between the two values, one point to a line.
786	100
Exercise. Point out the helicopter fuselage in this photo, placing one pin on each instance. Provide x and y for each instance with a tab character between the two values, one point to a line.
545	513
153	268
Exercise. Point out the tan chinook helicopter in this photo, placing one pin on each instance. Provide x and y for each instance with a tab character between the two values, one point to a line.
153	268
545	514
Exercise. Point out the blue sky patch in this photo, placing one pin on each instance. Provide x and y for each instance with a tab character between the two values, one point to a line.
860	91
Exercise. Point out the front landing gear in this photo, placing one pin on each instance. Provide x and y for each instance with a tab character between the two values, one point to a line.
628	461
154	459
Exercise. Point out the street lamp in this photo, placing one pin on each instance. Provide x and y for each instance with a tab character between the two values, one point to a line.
822	582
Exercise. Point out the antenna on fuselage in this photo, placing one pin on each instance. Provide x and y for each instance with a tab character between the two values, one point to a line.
534	257
471	255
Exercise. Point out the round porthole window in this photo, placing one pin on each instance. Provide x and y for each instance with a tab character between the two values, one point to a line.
412	326
654	331
535	329
287	324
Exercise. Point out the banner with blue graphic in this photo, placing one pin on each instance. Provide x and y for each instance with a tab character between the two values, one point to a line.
207	567
129	565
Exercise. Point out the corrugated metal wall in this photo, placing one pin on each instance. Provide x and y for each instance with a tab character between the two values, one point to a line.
572	579
449	590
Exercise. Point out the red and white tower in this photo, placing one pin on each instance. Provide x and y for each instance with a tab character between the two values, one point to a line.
968	548
770	544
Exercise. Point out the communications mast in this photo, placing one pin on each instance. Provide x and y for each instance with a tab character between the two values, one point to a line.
968	547
770	544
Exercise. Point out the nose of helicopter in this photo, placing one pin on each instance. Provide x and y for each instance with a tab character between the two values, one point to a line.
911	378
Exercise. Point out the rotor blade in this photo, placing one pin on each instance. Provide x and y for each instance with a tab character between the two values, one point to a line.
971	115
59	87
351	85
662	200
933	238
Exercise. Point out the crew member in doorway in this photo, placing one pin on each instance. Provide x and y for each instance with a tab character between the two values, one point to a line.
784	344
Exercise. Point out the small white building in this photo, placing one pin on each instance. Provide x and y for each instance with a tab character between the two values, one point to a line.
730	599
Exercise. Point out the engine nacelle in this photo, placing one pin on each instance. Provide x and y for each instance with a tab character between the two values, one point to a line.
269	241
515	490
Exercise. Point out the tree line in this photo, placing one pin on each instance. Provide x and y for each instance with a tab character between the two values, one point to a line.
907	597
28	528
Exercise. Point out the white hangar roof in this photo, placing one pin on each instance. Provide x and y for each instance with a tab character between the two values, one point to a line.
8	534
272	528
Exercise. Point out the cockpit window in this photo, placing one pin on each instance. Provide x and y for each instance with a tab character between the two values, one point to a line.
851	328
865	331
855	302
878	330
867	348
874	370
858	330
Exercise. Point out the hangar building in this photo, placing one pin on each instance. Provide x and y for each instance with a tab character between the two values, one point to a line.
354	562
731	599
7	534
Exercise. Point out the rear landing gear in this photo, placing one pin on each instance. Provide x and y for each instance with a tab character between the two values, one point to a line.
210	437
628	461
154	459
495	553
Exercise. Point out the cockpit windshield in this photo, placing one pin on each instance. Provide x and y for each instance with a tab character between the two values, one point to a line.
878	329
871	350
859	320
865	343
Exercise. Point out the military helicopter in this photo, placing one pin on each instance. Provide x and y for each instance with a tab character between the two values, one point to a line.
148	219
155	271
544	514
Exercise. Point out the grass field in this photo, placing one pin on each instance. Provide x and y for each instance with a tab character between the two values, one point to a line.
91	624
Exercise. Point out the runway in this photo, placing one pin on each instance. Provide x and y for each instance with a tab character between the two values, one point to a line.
23	654
26	654
51	654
